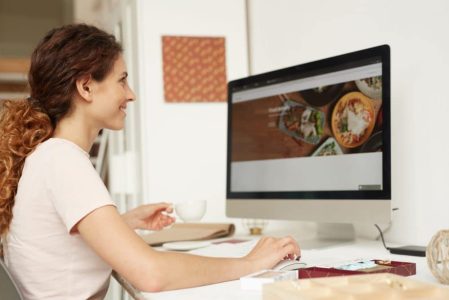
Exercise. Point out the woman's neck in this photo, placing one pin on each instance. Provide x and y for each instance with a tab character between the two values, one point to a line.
76	132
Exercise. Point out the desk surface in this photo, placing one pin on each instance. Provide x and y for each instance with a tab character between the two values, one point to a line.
231	290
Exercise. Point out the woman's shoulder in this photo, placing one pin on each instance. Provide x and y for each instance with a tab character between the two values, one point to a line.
56	151
54	146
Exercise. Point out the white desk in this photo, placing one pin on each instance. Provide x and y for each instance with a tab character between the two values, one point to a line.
231	290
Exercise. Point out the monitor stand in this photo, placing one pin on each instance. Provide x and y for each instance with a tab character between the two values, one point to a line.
328	235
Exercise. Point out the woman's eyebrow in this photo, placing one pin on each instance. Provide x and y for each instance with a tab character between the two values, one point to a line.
124	74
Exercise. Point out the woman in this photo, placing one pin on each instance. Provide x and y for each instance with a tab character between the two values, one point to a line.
61	231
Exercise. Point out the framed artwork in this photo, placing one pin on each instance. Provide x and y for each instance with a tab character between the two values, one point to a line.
194	69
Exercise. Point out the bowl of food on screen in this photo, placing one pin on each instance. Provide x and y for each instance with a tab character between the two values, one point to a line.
191	211
352	120
302	122
322	95
371	86
329	147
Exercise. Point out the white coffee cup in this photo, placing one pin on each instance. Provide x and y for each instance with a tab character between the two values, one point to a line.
191	210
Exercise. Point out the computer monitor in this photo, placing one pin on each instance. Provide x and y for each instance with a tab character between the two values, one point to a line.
312	142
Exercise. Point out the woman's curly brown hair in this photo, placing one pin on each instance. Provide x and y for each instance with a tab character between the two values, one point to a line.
22	128
63	56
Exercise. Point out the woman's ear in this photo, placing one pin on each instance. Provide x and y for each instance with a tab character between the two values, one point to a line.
84	87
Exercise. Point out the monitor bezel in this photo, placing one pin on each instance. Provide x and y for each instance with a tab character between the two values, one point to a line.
304	70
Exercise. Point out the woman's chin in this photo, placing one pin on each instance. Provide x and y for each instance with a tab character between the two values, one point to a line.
116	126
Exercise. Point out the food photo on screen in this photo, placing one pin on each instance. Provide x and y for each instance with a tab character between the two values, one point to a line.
302	122
353	120
288	125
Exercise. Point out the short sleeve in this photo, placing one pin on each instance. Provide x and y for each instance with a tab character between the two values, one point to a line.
74	186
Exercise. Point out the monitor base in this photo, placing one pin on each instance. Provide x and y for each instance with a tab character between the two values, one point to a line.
328	235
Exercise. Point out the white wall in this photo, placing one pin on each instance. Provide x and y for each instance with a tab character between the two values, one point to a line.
185	144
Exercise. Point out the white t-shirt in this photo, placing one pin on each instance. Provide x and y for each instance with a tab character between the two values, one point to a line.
58	187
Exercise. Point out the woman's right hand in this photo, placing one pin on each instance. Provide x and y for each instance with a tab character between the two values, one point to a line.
269	251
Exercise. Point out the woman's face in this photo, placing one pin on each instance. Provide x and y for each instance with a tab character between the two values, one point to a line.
110	98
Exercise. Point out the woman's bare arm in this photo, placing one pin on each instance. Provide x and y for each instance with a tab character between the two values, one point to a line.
105	231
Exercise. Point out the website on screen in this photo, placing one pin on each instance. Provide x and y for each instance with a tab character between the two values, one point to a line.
320	133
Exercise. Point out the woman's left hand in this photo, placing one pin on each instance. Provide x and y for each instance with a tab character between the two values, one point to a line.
150	216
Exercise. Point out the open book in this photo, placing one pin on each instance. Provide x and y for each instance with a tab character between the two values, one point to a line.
189	232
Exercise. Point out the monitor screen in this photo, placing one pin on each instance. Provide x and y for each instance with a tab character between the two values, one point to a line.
312	132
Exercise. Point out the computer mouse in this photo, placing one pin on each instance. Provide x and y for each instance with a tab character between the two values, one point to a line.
289	265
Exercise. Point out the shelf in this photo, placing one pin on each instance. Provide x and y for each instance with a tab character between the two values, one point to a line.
13	77
13	96
14	65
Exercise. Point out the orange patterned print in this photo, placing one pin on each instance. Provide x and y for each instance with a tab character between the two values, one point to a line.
194	69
